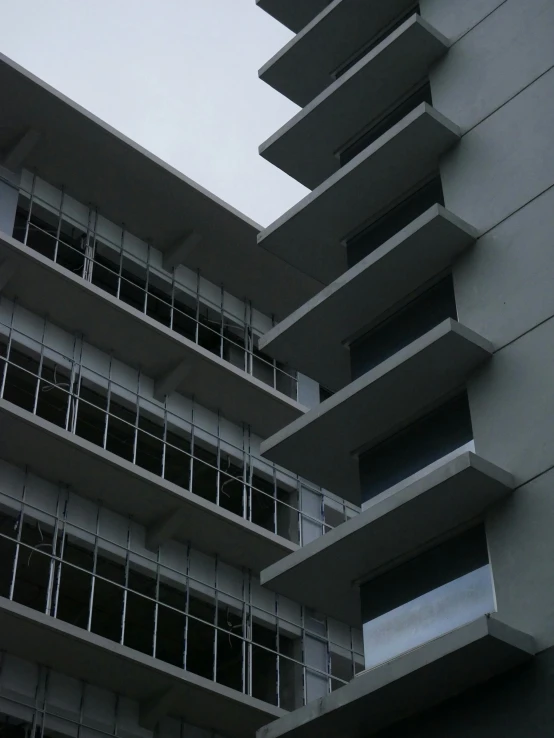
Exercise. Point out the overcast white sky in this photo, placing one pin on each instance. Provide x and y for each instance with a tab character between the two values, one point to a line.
177	76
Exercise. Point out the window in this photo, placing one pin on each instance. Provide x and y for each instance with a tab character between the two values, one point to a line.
393	221
375	41
430	438
377	129
436	592
406	325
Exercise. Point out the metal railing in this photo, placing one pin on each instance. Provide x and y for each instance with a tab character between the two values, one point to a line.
64	390
54	566
153	291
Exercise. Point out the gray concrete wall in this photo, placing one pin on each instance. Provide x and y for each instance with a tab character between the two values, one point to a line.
516	705
73	708
8	199
497	84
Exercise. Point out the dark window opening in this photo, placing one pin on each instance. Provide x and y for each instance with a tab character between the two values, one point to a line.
49	394
427	440
393	221
424	573
405	326
374	42
423	94
123	604
66	247
146	291
139	438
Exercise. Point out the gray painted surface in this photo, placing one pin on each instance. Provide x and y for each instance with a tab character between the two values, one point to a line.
8	199
505	161
312	338
306	146
512	405
113	326
310	234
521	550
501	177
291	13
308	391
410	683
516	258
157	203
303	67
374	406
516	705
63	457
397	524
455	19
155	684
514	45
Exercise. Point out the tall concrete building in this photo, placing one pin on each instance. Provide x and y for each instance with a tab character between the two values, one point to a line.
426	136
136	511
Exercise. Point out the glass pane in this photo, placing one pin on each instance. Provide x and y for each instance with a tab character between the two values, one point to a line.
427	617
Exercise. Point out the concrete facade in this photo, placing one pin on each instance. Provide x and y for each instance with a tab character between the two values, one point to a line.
191	529
493	82
502	286
135	508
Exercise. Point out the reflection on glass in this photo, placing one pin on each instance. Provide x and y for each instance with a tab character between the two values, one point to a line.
427	617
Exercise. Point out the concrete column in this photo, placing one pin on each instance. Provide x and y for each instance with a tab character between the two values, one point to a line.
500	179
9	193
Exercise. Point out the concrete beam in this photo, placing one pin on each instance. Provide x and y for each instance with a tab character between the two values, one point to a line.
291	13
306	146
394	527
380	402
178	253
7	270
112	325
311	234
164	529
162	688
312	338
155	708
303	67
94	473
167	526
409	684
15	157
170	381
147	202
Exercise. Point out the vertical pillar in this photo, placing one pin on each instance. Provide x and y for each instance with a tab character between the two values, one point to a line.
9	193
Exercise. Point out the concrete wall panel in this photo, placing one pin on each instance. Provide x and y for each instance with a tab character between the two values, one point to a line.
454	23
494	61
516	705
504	284
521	550
512	405
8	200
505	161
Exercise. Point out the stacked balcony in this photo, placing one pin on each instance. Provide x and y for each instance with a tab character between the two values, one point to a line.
394	434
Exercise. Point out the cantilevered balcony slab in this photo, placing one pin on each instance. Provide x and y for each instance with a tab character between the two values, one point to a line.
306	146
177	363
313	337
160	688
410	684
129	185
291	13
304	67
62	457
322	446
311	234
395	526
